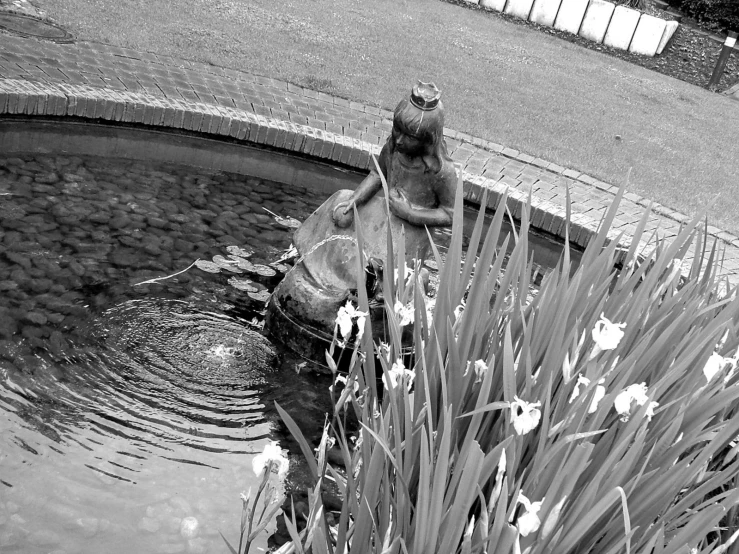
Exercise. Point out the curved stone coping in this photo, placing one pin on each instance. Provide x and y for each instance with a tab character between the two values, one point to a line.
20	97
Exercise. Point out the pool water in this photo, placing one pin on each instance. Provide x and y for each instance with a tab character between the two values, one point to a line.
135	383
127	408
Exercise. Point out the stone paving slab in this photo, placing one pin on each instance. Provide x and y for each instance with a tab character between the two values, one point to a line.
102	82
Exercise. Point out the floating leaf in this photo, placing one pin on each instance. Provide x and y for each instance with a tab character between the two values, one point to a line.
243	263
242	284
260	296
230	265
238	251
210	267
264	270
289	222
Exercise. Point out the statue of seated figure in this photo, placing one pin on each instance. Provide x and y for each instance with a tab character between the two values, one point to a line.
421	180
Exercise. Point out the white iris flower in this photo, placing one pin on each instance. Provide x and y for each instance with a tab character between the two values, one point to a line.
399	375
607	335
405	312
525	416
600	392
714	365
270	459
529	521
345	319
634	394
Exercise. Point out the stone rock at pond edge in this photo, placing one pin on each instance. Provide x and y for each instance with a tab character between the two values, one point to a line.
124	257
119	222
36	318
8	326
8	285
41	285
183	246
19	259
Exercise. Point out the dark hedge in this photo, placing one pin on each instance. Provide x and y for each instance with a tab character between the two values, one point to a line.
717	14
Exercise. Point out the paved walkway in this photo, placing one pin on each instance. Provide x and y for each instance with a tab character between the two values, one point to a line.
97	81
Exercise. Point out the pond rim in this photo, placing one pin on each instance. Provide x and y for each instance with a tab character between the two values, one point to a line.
34	99
81	137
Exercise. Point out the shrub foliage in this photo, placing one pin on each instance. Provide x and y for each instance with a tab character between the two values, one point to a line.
718	14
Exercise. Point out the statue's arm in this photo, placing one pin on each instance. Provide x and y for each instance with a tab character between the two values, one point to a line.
343	212
440	216
370	186
432	217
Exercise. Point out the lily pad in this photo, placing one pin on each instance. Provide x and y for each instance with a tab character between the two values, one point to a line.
289	222
264	270
210	267
242	284
261	296
238	251
229	265
244	264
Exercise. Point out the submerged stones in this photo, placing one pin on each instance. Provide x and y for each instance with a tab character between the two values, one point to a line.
79	238
77	234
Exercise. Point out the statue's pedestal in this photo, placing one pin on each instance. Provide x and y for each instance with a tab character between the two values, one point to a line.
302	315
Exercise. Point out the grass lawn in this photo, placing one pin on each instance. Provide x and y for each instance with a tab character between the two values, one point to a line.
505	82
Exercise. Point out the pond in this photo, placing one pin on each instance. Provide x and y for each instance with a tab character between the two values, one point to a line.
126	408
133	394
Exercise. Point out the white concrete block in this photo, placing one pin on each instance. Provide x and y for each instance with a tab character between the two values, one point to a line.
670	29
647	35
570	15
544	12
596	20
519	8
497	5
621	28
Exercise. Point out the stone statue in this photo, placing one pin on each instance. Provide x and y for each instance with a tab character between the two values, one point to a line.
421	180
419	172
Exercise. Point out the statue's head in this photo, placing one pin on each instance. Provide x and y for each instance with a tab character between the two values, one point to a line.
418	126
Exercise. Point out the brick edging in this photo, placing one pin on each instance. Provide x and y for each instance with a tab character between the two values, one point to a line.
21	97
